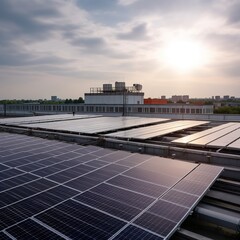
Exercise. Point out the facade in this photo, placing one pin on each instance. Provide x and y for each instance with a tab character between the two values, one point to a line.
179	109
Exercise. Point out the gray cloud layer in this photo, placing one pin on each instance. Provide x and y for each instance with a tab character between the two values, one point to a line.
89	40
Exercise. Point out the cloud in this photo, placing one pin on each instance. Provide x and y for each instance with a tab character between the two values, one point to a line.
138	32
234	16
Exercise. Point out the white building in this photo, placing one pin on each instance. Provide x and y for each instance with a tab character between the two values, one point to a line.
120	94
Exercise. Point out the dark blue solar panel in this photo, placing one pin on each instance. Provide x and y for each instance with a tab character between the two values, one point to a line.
191	187
102	152
180	198
77	221
96	163
15	181
21	192
31	167
153	177
133	199
70	173
114	191
203	178
9	173
138	186
168	210
4	236
114	207
134	160
31	230
2	167
155	223
136	233
34	205
115	156
91	179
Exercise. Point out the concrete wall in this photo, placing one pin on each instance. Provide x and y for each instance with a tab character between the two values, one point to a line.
113	99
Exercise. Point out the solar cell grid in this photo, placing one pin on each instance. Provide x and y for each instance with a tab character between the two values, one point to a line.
138	185
9	173
3	167
15	181
152	177
181	198
168	210
134	160
155	223
131	198
109	205
70	173
4	236
96	163
80	222
136	233
29	229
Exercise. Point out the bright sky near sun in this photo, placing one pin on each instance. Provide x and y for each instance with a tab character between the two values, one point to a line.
58	47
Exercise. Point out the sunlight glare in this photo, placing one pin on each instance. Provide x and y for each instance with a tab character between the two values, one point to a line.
184	55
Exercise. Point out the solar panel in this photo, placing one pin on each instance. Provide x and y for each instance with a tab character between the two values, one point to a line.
235	145
89	192
226	140
29	229
214	136
199	135
45	118
95	125
156	130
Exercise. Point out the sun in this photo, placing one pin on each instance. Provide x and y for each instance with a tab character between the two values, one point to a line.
184	55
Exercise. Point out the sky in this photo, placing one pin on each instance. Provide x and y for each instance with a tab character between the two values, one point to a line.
171	47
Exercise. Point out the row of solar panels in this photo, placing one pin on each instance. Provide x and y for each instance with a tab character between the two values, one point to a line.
45	118
56	190
94	125
156	130
223	136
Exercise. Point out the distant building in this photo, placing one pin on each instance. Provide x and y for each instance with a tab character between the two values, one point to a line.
180	98
217	98
155	101
226	97
185	98
54	98
163	97
120	94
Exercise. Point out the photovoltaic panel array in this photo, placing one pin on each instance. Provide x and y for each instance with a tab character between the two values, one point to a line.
156	130
57	190
222	136
96	125
45	118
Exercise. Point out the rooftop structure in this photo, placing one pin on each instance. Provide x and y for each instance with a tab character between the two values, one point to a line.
120	94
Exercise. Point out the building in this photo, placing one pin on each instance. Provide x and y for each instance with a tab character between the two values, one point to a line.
180	98
155	101
120	94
